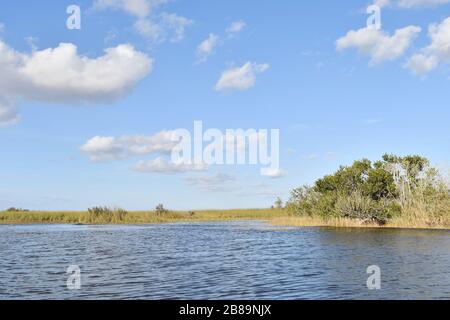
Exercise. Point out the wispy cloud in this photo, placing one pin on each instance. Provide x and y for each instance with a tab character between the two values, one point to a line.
206	48
163	166
218	182
152	23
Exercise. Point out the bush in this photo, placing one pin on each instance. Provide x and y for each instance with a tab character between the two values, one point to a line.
376	192
160	210
16	210
106	215
362	207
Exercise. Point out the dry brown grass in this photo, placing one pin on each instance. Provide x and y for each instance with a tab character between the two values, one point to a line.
401	223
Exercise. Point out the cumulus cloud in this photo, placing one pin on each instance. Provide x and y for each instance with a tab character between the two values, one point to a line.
111	148
377	44
61	75
438	51
206	48
161	165
156	27
240	78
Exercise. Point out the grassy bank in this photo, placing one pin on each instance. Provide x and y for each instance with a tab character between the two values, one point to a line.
397	223
277	217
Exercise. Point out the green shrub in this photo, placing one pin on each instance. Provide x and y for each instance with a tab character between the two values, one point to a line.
160	210
16	210
106	215
376	192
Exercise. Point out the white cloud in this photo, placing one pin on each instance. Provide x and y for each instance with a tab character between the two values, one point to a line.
329	156
162	28
382	3
438	51
421	3
111	148
206	48
311	156
215	183
155	27
8	113
138	8
160	165
408	4
61	75
240	78
274	173
236	27
377	44
177	24
150	30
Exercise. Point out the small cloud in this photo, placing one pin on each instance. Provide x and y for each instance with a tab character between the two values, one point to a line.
155	27
111	148
162	166
331	156
240	78
311	156
236	27
206	48
438	51
218	182
377	44
274	173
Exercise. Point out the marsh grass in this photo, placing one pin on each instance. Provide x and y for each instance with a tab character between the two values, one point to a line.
119	216
397	223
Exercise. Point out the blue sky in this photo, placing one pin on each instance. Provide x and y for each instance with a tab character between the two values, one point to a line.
332	103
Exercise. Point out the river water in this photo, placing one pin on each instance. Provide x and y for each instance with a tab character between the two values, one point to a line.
234	260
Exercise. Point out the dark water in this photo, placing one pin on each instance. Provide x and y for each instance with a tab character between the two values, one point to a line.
238	260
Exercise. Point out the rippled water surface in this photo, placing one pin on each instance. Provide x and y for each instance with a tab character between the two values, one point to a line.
237	260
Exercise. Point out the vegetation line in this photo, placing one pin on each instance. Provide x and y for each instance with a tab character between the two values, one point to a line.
395	192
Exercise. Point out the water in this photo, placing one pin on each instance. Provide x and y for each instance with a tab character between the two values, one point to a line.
237	260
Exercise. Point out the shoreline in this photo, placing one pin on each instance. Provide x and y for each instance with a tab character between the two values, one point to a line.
275	217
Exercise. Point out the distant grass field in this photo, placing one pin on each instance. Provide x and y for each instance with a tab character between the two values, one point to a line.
137	217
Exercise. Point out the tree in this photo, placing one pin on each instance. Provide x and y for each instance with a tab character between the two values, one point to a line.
279	203
160	210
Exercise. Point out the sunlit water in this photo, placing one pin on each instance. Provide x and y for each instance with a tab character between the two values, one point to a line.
237	260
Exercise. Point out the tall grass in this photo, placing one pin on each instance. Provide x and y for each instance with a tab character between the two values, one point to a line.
118	216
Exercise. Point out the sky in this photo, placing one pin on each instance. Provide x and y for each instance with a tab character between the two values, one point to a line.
85	114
